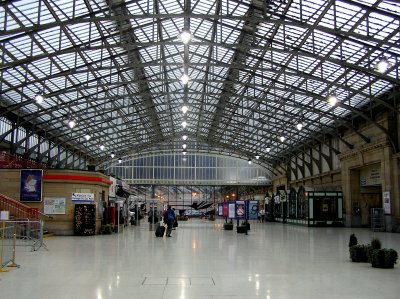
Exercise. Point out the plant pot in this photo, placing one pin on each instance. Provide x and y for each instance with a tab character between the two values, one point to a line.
383	258
358	253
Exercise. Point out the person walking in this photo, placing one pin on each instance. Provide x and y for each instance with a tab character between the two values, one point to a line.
262	214
169	219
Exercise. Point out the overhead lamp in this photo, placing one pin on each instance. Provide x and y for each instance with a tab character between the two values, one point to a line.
249	161
382	65
282	138
184	159
257	157
185	79
332	99
184	146
185	36
119	160
112	155
71	123
102	147
184	137
184	152
268	149
184	124
299	126
87	137
185	109
39	98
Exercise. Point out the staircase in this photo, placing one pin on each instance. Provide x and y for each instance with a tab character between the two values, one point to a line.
18	211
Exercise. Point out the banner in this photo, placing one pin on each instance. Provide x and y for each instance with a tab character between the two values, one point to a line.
31	185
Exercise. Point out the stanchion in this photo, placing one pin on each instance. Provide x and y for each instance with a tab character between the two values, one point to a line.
2	247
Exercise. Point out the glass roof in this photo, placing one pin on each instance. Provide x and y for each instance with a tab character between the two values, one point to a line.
256	69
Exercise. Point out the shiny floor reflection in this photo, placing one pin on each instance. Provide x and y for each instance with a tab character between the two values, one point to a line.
201	260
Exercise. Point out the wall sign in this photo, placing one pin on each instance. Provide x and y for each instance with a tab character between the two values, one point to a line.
82	197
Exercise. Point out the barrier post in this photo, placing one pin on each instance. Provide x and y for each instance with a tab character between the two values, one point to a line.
12	262
2	247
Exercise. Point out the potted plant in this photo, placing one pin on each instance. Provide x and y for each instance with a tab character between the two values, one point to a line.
358	253
383	258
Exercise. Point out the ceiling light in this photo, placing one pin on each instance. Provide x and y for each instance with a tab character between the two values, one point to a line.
184	124
268	149
382	65
184	152
87	137
257	157
71	124
332	99
185	36
185	109
282	138
184	146
112	155
119	160
184	137
185	79
249	161
299	126
39	98
184	159
102	147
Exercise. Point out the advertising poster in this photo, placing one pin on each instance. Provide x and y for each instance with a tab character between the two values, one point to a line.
240	209
386	202
232	209
54	205
252	209
31	185
225	209
220	207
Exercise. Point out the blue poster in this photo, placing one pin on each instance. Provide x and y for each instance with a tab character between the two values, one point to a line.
31	185
252	208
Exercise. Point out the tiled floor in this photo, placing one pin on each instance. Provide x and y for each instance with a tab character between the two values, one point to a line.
203	261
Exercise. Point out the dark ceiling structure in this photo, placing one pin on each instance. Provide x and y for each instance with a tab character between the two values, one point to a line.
256	71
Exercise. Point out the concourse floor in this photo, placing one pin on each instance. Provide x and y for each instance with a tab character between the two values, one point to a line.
202	261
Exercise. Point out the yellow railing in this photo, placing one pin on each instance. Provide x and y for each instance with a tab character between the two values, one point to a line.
7	245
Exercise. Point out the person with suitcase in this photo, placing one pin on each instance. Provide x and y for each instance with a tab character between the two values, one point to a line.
169	219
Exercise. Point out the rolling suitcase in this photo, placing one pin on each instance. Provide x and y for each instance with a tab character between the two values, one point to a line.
160	230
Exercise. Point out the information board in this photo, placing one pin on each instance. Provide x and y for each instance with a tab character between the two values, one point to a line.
54	205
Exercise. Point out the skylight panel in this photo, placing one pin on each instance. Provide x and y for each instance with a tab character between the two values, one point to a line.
227	35
80	33
203	7
202	28
170	7
311	10
381	26
379	87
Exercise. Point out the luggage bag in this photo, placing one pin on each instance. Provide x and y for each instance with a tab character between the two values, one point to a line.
160	230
